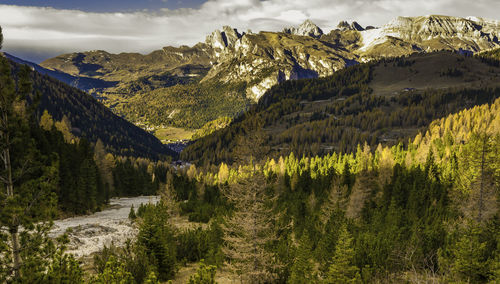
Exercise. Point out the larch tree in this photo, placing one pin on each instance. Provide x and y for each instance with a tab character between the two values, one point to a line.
479	177
248	230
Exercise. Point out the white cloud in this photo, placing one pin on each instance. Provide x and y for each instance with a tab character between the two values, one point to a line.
49	31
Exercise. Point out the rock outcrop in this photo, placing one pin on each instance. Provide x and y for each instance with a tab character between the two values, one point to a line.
307	28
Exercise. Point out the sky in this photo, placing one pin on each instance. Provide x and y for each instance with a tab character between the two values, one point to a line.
36	29
108	5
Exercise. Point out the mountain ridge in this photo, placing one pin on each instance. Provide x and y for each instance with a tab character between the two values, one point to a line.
254	62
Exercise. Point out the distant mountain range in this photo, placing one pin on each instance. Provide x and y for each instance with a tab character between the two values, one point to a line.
157	90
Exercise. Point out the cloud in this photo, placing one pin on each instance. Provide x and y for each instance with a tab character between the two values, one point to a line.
48	31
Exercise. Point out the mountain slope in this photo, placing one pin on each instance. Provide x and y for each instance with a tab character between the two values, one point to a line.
386	102
82	83
90	119
248	64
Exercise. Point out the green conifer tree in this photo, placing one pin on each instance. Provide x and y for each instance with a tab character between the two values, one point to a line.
28	181
302	270
342	269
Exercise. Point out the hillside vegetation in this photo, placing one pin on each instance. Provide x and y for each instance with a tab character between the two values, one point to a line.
369	102
83	116
424	212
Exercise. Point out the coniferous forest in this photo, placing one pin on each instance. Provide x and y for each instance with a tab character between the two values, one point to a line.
325	180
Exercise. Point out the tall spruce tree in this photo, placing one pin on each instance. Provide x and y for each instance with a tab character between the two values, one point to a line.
480	177
342	269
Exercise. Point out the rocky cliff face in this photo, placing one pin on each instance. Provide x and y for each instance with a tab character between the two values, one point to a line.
265	59
431	33
345	26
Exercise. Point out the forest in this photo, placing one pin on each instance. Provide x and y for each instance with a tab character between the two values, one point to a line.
48	172
426	211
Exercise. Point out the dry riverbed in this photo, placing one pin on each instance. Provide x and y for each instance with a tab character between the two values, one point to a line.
89	234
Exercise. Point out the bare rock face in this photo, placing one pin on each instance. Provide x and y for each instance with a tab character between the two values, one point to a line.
266	59
345	26
356	27
223	39
307	28
431	33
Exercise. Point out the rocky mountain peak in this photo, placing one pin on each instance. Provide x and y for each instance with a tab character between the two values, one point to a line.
307	28
356	27
223	39
345	26
434	32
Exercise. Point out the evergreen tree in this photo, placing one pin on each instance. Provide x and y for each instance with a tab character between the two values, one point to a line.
114	272
302	270
64	268
467	260
342	269
131	214
26	197
479	176
28	181
156	238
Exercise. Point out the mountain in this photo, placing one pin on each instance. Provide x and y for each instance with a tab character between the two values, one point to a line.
234	69
86	117
307	28
404	35
386	101
82	83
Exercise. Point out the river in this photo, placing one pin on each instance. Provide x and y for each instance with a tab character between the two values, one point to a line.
89	234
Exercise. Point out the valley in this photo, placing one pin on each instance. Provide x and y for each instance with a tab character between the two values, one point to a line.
362	154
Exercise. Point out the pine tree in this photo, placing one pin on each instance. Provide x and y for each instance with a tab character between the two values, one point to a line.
468	261
151	278
480	177
64	268
114	272
342	269
131	214
156	239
